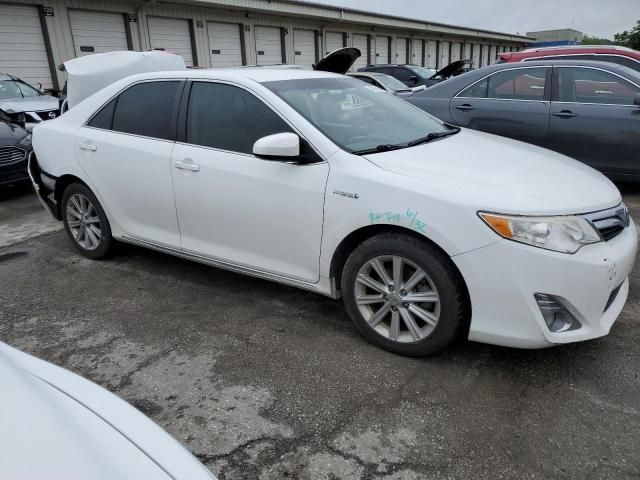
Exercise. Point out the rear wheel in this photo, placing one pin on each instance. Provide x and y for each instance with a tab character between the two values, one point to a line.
85	221
404	295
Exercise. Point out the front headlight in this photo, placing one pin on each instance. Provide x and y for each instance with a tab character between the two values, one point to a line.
560	234
26	141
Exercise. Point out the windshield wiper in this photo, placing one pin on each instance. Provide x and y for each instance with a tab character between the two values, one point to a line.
434	136
379	149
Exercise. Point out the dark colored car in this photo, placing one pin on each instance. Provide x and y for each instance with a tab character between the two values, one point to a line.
587	110
600	53
15	147
414	76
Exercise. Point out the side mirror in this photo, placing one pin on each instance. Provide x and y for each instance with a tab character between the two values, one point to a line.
281	146
636	100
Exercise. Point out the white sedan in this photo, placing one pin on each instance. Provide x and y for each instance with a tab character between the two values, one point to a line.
57	425
316	180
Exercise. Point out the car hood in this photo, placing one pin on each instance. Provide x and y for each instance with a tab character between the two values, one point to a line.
339	61
492	173
451	69
10	133
29	104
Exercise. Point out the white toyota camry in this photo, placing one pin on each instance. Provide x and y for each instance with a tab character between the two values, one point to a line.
316	180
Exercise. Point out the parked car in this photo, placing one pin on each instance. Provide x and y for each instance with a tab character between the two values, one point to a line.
18	97
415	76
587	110
387	83
316	180
55	424
602	53
15	147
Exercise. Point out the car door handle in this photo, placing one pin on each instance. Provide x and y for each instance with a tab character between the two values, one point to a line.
565	114
88	147
466	107
186	165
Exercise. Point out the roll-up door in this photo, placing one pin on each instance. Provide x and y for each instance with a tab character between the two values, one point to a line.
455	52
417	52
361	42
225	44
494	54
432	54
269	49
467	51
335	41
402	50
22	48
172	35
382	50
304	46
475	56
97	32
445	51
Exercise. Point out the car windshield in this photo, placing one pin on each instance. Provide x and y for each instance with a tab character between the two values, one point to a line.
16	89
423	72
356	116
391	83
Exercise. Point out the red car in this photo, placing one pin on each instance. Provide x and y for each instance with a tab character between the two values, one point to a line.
604	53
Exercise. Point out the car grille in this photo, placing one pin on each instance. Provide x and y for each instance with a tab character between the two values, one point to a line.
49	114
610	223
11	155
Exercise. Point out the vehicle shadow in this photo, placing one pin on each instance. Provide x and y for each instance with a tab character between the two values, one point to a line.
15	190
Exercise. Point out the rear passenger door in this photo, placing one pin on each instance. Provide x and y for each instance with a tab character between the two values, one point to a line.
593	119
513	103
125	150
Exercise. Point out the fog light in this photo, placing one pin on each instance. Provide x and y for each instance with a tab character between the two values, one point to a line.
557	317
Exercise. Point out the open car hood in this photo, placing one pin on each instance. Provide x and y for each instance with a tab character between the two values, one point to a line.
339	61
451	69
29	104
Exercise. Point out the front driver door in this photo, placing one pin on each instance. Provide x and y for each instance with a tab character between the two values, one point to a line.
593	119
239	209
513	103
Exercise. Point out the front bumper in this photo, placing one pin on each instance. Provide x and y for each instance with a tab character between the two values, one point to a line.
503	278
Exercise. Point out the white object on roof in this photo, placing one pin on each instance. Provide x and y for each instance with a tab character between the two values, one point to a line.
87	75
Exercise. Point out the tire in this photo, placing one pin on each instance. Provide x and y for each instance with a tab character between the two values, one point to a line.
416	321
85	222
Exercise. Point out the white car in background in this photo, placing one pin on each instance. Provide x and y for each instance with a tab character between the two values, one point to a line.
316	180
55	424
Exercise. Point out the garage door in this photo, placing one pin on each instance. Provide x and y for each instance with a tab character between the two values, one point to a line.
445	50
402	50
417	52
455	52
304	46
97	32
22	49
382	50
361	42
432	54
225	46
475	56
467	51
269	46
173	35
335	41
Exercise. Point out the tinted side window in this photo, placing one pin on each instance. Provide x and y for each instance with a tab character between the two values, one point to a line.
518	84
229	118
104	118
571	57
626	61
148	109
479	90
368	80
403	74
587	85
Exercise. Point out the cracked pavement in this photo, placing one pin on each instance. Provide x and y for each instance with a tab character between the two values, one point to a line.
263	381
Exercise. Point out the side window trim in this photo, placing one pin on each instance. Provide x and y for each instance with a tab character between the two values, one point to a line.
116	97
555	97
547	90
184	108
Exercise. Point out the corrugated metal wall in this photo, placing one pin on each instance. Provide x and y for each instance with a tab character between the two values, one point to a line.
62	48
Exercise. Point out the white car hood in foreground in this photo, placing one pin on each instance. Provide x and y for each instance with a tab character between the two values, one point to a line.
501	175
29	104
54	424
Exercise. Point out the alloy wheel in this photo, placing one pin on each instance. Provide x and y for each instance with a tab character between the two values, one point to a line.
83	222
397	299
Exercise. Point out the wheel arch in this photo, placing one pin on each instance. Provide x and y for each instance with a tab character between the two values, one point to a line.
61	184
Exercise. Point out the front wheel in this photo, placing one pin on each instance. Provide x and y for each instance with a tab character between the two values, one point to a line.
404	295
85	222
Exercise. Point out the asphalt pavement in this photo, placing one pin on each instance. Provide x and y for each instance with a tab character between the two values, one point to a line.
264	381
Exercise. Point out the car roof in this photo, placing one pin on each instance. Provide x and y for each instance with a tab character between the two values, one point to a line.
572	50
